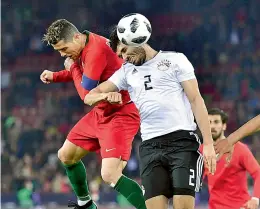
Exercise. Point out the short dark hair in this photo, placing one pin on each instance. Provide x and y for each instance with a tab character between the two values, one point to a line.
59	30
217	111
114	40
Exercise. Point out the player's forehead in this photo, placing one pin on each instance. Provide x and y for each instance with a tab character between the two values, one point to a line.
215	117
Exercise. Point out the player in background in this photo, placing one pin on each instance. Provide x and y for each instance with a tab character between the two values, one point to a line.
111	128
228	187
251	127
165	90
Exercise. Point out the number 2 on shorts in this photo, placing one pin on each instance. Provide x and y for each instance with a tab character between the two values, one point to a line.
191	179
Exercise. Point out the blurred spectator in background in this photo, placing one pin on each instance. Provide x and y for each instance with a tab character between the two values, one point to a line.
221	38
24	195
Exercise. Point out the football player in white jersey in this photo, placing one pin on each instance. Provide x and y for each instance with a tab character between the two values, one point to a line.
164	88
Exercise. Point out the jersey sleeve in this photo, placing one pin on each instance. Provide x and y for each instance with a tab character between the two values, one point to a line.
249	162
185	70
93	66
119	79
62	76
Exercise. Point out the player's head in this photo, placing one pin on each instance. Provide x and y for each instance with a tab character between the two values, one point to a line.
134	55
65	38
218	122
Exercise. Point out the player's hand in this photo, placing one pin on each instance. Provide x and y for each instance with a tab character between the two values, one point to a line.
222	147
68	63
209	157
46	76
114	98
252	204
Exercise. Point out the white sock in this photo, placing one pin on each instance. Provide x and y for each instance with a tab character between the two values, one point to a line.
84	202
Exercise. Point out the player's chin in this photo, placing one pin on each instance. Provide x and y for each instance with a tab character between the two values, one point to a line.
138	62
214	137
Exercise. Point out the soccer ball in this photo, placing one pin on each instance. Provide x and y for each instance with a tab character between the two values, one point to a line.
134	29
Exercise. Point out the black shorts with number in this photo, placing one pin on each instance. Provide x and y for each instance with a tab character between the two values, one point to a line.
171	165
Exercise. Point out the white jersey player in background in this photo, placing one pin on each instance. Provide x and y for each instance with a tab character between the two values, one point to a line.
164	88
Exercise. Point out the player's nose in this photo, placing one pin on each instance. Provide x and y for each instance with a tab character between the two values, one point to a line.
62	54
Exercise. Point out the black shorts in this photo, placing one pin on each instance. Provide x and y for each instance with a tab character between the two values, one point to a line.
171	165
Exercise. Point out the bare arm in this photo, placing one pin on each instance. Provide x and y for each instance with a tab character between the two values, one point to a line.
201	114
247	129
199	108
100	93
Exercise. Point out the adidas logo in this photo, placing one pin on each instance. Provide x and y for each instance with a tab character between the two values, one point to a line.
134	71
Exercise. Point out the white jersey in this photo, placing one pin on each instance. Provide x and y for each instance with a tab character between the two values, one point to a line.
155	88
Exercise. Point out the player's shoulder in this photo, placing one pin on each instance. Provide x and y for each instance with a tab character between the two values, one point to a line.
173	54
241	146
97	42
241	149
174	57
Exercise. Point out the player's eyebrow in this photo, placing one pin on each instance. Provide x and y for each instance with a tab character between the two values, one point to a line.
61	49
123	49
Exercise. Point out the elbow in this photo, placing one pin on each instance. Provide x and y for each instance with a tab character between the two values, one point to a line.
197	100
87	101
256	175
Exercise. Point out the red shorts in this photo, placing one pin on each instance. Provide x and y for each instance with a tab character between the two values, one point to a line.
112	133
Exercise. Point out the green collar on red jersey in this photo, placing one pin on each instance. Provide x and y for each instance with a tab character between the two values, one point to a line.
87	36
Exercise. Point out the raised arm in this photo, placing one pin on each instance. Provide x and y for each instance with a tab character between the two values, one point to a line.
251	127
115	83
100	93
247	129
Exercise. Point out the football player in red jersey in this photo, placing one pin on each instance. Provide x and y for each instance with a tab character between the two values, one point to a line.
108	127
228	186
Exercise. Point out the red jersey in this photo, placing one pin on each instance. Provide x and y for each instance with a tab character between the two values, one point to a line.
228	186
96	64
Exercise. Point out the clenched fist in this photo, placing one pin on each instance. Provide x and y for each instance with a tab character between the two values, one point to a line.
46	76
68	63
114	98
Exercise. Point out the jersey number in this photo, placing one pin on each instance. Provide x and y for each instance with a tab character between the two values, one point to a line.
147	82
191	179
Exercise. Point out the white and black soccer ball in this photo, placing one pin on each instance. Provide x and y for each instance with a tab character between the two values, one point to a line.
134	29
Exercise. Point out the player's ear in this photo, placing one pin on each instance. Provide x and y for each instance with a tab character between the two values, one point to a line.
224	126
76	37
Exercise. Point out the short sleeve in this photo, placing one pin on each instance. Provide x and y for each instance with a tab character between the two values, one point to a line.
119	79
93	66
185	70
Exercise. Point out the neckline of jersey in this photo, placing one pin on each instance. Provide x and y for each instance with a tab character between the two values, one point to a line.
87	43
153	58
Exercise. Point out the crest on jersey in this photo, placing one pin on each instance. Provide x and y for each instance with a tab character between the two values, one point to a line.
164	65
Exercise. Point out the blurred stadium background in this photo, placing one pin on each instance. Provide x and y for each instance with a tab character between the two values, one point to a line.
220	37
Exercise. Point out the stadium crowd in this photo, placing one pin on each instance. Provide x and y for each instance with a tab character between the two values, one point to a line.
223	45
